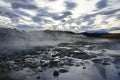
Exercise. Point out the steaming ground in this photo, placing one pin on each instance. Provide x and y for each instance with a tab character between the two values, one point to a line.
12	38
58	56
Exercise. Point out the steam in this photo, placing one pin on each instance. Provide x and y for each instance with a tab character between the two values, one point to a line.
24	39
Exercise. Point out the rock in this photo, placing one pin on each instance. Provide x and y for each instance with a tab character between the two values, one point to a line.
62	70
106	63
77	64
45	64
119	73
38	77
61	63
117	67
54	63
103	50
68	61
39	69
97	60
81	55
4	67
116	58
55	73
84	67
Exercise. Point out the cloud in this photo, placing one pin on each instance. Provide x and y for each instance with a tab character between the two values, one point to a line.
52	0
22	13
16	0
84	28
36	19
25	4
108	12
118	16
17	5
64	15
88	17
20	26
101	4
73	15
11	15
8	13
91	22
55	16
70	5
114	28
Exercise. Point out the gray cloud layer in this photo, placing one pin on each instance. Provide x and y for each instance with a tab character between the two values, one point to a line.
28	13
101	4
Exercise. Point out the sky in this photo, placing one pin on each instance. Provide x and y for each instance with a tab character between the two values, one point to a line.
66	15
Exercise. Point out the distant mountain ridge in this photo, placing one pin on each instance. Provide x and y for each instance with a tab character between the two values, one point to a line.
102	35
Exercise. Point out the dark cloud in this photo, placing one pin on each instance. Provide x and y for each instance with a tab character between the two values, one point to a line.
65	14
114	28
108	12
84	28
101	4
24	0
91	22
17	5
19	12
40	27
24	26
88	17
46	21
70	5
42	12
26	4
8	13
118	16
16	0
11	15
52	0
36	19
78	22
41	19
14	15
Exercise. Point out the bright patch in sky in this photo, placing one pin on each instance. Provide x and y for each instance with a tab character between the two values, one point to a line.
70	15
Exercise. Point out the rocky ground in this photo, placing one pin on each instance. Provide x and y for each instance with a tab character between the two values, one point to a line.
78	60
